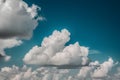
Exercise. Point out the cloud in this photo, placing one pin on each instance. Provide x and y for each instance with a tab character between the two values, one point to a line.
7	58
62	59
27	73
54	52
17	19
94	52
6	44
107	71
17	22
102	72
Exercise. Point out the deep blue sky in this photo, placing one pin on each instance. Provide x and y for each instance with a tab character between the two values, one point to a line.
93	23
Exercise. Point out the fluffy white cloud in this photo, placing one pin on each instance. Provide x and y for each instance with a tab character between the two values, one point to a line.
103	70
6	44
17	19
84	73
73	54
54	52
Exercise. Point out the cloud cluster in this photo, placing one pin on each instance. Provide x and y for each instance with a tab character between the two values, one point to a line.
17	19
54	52
105	71
26	73
6	44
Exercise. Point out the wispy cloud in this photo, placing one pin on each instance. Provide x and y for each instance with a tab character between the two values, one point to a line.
94	52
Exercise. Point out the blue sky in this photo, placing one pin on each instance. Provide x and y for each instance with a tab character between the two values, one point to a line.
94	24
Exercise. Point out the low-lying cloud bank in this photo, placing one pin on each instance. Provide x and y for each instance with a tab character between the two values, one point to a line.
54	52
108	70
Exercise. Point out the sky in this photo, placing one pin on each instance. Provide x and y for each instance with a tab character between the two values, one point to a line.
64	34
93	23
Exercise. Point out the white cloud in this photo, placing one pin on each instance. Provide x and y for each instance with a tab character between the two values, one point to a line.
52	73
7	58
17	19
27	73
72	55
6	44
103	70
54	52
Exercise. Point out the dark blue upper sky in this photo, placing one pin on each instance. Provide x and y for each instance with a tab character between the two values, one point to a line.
93	23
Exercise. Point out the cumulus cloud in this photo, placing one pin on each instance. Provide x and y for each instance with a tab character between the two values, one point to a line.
6	44
26	73
17	19
105	71
102	72
54	52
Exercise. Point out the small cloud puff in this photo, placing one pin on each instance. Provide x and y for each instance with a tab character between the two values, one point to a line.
6	44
